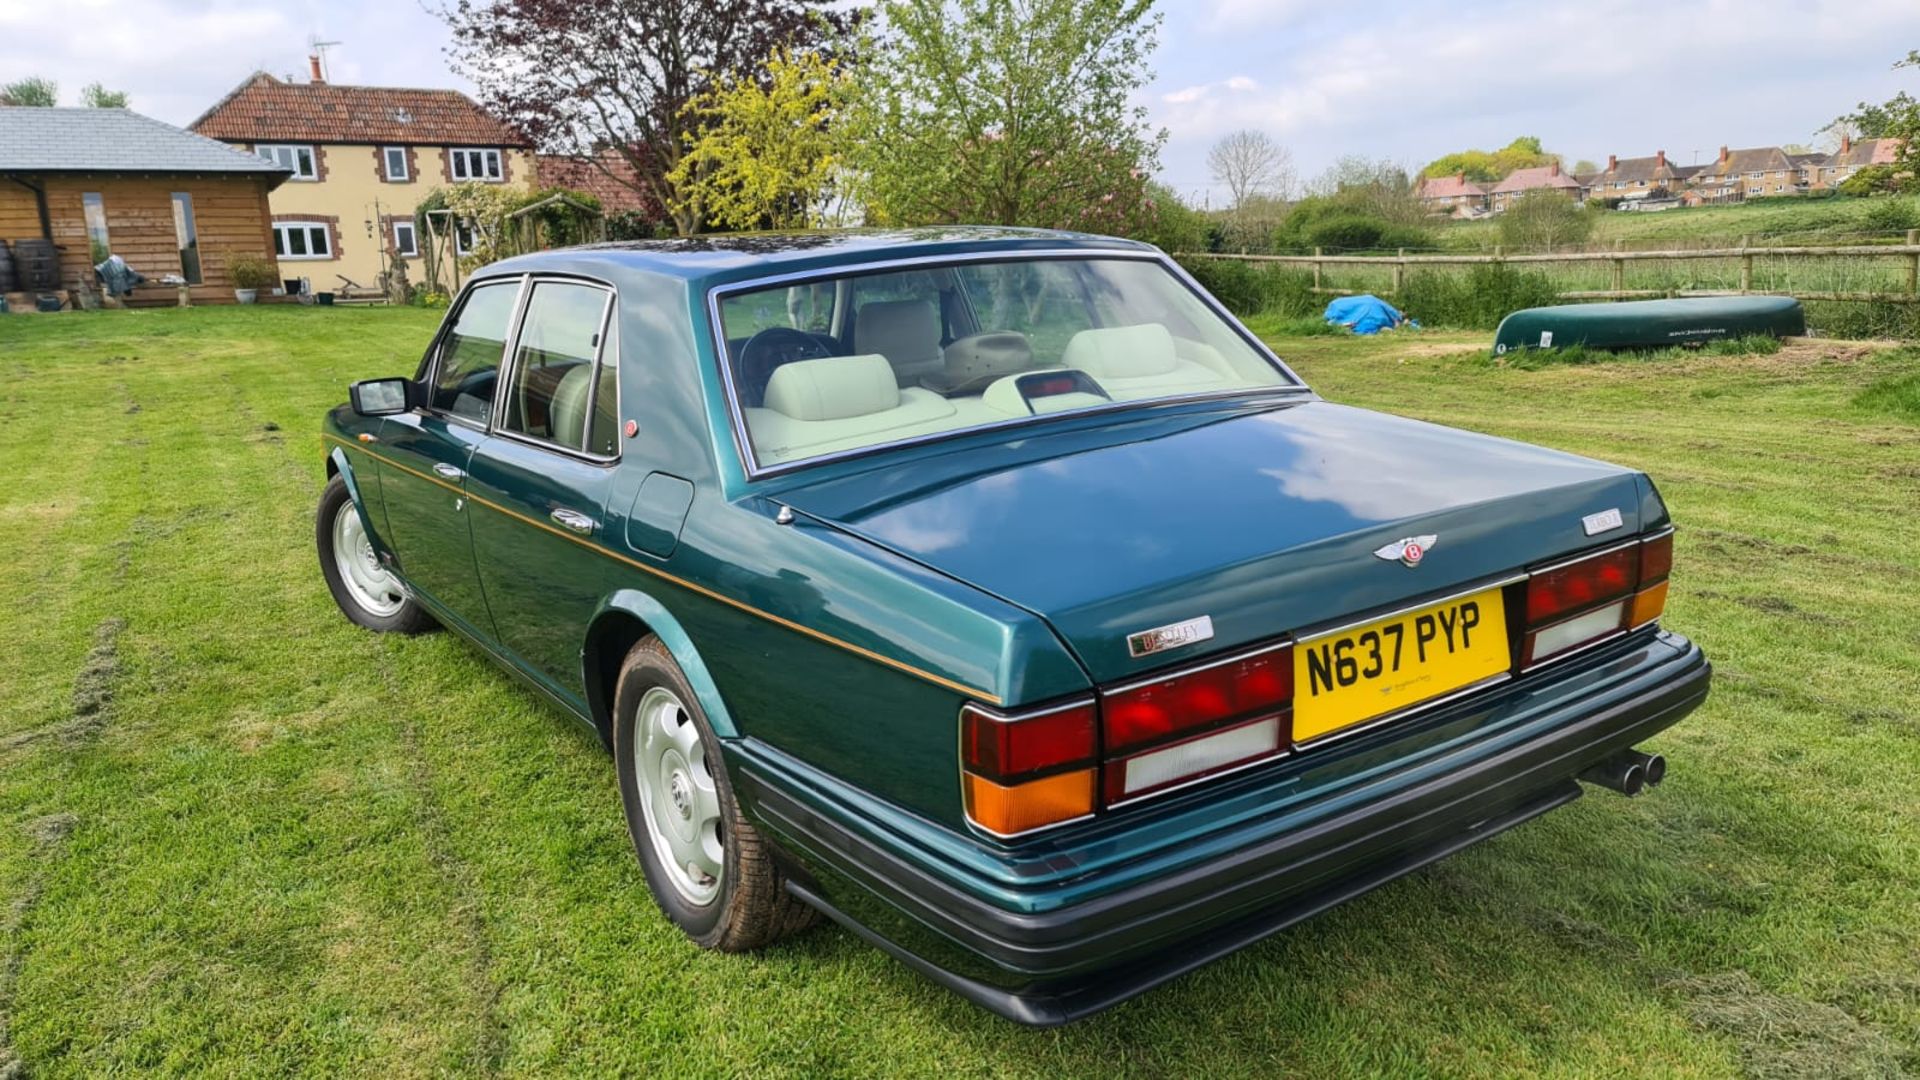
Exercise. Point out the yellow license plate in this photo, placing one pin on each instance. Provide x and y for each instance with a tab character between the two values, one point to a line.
1353	675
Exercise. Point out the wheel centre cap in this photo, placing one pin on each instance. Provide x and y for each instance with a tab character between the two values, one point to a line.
680	790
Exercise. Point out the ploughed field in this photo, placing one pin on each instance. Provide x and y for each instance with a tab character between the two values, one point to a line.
240	836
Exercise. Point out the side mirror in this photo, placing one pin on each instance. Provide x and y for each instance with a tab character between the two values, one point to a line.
383	397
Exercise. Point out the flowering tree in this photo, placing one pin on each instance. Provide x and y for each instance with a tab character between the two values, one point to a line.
582	76
760	151
998	112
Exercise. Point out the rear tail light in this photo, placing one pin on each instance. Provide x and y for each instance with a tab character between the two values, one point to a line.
1580	602
1022	773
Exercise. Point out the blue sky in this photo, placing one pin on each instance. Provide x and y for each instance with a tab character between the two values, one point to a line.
1406	81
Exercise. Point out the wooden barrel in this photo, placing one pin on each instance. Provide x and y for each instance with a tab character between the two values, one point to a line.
7	283
36	263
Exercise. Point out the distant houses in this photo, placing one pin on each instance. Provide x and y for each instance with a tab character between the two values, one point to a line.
1656	183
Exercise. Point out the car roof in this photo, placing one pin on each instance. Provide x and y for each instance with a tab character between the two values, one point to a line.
721	258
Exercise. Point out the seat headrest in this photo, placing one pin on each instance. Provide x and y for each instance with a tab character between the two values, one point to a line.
1122	352
834	388
898	329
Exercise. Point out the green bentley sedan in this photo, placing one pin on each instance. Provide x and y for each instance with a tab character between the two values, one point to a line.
997	595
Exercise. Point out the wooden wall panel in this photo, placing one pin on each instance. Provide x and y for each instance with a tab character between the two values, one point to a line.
231	215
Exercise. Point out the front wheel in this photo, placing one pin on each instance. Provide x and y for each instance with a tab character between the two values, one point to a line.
368	593
706	866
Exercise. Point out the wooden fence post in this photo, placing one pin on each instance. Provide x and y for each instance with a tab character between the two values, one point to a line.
1913	262
1619	266
1746	265
1316	268
1400	271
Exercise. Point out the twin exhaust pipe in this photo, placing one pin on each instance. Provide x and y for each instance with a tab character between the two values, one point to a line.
1628	772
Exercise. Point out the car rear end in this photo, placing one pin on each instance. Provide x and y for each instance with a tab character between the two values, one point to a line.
1130	834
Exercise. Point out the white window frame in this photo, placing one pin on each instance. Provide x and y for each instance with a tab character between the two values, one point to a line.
387	158
282	249
466	159
273	152
460	247
412	248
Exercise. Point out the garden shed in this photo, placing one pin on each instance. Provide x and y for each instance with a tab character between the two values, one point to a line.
78	185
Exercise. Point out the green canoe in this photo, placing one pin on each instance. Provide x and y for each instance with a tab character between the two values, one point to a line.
1649	324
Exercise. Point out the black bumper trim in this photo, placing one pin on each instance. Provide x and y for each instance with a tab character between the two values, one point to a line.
1049	968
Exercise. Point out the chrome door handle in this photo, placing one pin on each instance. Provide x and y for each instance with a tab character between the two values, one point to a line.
450	472
573	521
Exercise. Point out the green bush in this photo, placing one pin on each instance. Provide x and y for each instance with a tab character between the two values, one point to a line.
1892	215
1251	288
1344	222
1476	300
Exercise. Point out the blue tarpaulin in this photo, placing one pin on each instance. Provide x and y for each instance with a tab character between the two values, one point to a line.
1365	314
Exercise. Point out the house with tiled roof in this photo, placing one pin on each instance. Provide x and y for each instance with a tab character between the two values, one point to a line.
607	176
360	159
1854	155
1451	194
1542	178
80	185
1637	178
1753	172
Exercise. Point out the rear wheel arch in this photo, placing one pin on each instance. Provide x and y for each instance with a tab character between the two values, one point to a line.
623	620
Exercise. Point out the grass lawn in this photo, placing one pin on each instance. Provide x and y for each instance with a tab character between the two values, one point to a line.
240	836
1768	221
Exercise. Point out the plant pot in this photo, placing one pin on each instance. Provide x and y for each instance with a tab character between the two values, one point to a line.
246	296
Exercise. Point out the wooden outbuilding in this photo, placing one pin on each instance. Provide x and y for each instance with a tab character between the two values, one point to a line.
78	185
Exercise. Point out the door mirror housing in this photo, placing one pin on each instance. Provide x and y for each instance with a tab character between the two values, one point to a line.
384	397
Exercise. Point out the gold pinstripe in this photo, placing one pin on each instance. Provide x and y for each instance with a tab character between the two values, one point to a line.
829	639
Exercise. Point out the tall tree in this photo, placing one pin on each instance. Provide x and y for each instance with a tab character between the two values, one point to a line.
579	76
95	96
32	90
1485	166
1250	164
1011	112
764	156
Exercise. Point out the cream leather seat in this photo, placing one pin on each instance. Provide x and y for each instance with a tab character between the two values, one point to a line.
906	332
1138	361
567	415
818	406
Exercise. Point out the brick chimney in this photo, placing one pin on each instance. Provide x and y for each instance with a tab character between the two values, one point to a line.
1613	162
1846	142
1553	168
1723	159
313	65
1659	159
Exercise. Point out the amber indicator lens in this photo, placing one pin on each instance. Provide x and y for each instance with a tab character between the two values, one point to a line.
1007	810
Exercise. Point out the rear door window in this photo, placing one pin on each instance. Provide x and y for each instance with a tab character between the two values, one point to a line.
467	366
555	394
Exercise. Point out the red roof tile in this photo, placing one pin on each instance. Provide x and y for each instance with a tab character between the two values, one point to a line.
1444	187
1546	176
583	174
265	109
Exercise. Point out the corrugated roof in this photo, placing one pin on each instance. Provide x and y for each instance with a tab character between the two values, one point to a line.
113	140
265	109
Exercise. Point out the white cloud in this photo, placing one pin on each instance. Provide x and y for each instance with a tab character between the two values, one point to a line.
177	57
1628	76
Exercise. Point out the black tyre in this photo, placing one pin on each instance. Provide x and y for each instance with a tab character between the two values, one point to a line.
367	592
707	868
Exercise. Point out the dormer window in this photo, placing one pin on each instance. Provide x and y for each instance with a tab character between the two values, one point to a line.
474	164
294	157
